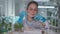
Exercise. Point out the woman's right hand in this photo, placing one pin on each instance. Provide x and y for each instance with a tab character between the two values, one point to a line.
28	28
43	24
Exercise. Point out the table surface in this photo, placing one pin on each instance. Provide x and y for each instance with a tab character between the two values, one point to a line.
33	32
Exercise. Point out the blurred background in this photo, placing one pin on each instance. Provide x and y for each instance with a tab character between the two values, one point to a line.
10	13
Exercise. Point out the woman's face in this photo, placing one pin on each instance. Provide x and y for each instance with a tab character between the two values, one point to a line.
32	10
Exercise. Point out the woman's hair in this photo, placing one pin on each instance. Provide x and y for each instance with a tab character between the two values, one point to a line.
31	3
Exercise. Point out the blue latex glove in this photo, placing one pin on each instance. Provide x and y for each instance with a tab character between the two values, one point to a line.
40	18
22	14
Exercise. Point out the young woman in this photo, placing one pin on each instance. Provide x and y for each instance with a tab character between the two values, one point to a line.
29	22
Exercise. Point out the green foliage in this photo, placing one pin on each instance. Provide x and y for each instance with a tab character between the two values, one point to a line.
18	26
4	27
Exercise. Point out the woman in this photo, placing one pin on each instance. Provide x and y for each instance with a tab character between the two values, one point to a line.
29	22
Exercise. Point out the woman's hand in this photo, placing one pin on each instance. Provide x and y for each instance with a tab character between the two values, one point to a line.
28	28
43	24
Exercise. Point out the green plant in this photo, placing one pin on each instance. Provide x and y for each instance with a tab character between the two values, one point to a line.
9	26
18	26
4	26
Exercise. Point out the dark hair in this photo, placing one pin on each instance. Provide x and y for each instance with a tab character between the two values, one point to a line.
31	3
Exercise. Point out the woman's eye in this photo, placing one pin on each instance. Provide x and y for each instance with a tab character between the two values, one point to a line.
31	9
35	10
